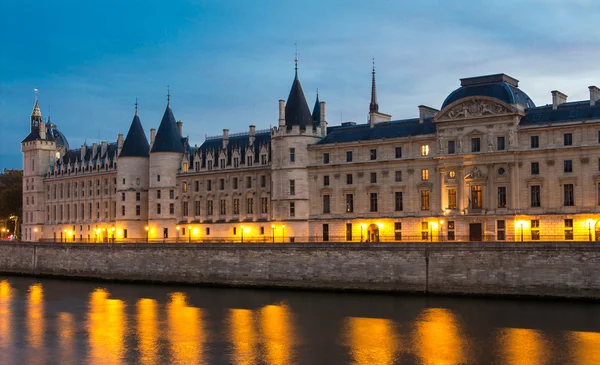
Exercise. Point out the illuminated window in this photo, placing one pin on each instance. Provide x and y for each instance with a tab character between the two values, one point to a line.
185	167
451	198
424	150
424	174
425	200
424	231
568	229
535	229
184	186
348	231
398	231
476	197
451	231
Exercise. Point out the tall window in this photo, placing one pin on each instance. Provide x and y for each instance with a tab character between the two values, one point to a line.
451	147
535	168
250	206
137	210
568	229
451	231
398	231
171	208
398	176
501	230
197	208
157	208
398	152
535	141
373	154
349	203
185	167
208	185
349	179
326	204
424	174
292	209
235	183
568	139
326	158
248	182
475	144
348	156
535	196
569	198
292	155
568	164
263	181
373	202
398	203
222	207
209	207
476	197
373	177
185	209
292	187
325	232
424	150
236	206
502	197
348	231
326	180
264	205
500	143
221	184
184	186
535	229
424	199
451	198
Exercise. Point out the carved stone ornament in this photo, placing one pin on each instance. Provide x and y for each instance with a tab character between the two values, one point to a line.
411	171
475	108
585	160
550	162
475	174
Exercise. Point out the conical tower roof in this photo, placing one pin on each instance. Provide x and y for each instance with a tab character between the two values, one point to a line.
296	108
316	114
167	137
136	144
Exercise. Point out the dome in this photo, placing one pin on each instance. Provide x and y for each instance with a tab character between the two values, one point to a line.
58	137
499	86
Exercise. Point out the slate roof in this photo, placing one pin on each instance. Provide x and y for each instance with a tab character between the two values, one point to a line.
500	86
52	134
167	137
364	132
564	113
74	155
316	114
296	108
236	141
136	144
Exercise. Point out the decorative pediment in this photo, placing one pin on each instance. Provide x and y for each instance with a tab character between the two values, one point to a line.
475	174
424	185
476	107
535	181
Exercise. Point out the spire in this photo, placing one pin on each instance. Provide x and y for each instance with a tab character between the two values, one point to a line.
297	111
167	137
168	96
316	114
136	143
296	60
36	113
373	107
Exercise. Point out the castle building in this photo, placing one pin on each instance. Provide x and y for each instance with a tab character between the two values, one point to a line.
488	165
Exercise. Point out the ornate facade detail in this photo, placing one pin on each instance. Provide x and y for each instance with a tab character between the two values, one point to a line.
475	108
475	174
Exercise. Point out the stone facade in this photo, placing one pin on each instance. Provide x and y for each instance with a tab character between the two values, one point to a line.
489	165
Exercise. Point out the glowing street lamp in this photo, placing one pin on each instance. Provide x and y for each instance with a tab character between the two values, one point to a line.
441	236
273	232
113	234
147	233
522	223
589	226
190	234
177	238
362	226
283	233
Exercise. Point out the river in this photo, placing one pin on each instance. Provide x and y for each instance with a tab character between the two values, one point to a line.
48	321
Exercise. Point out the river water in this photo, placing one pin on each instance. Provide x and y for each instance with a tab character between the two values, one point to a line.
46	321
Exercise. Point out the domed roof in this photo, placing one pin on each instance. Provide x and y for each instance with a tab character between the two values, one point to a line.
499	86
57	136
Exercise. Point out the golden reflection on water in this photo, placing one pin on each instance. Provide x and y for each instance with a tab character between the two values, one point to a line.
106	325
185	331
277	331
438	339
5	313
372	341
147	330
35	316
66	335
523	347
585	348
242	336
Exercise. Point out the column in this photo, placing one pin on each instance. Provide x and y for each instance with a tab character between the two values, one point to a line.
513	186
490	188
460	188
440	189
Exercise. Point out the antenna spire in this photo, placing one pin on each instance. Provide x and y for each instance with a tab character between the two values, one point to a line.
373	107
168	95
296	58
136	106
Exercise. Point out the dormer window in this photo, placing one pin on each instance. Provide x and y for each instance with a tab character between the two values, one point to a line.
222	163
263	159
185	167
236	162
249	160
210	163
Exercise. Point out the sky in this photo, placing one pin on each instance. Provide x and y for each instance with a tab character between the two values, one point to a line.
228	62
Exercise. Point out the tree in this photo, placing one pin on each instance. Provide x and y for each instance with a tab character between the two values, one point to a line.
11	196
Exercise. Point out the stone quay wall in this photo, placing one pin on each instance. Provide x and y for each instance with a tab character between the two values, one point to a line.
513	269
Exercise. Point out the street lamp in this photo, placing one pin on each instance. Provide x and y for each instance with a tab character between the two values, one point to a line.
242	233
189	234
177	238
430	232
113	234
65	238
522	230
273	232
441	236
283	233
147	233
362	226
589	225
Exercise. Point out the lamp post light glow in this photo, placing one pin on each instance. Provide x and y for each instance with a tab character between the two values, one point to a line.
441	235
242	233
362	226
65	236
283	233
522	223
147	233
113	234
273	232
189	234
589	226
177	238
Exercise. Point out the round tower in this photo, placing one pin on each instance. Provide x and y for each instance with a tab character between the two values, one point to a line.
133	182
165	158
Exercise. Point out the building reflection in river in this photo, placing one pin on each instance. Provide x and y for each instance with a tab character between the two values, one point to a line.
277	332
106	325
66	337
438	338
585	348
147	327
523	347
372	341
6	296
186	334
243	336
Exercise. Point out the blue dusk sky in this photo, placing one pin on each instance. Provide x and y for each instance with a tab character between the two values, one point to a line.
229	62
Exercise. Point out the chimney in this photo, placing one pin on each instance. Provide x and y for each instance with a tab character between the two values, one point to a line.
252	134
119	143
322	120
180	127
594	94
152	135
103	148
42	130
426	112
225	138
83	152
282	113
94	150
558	98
